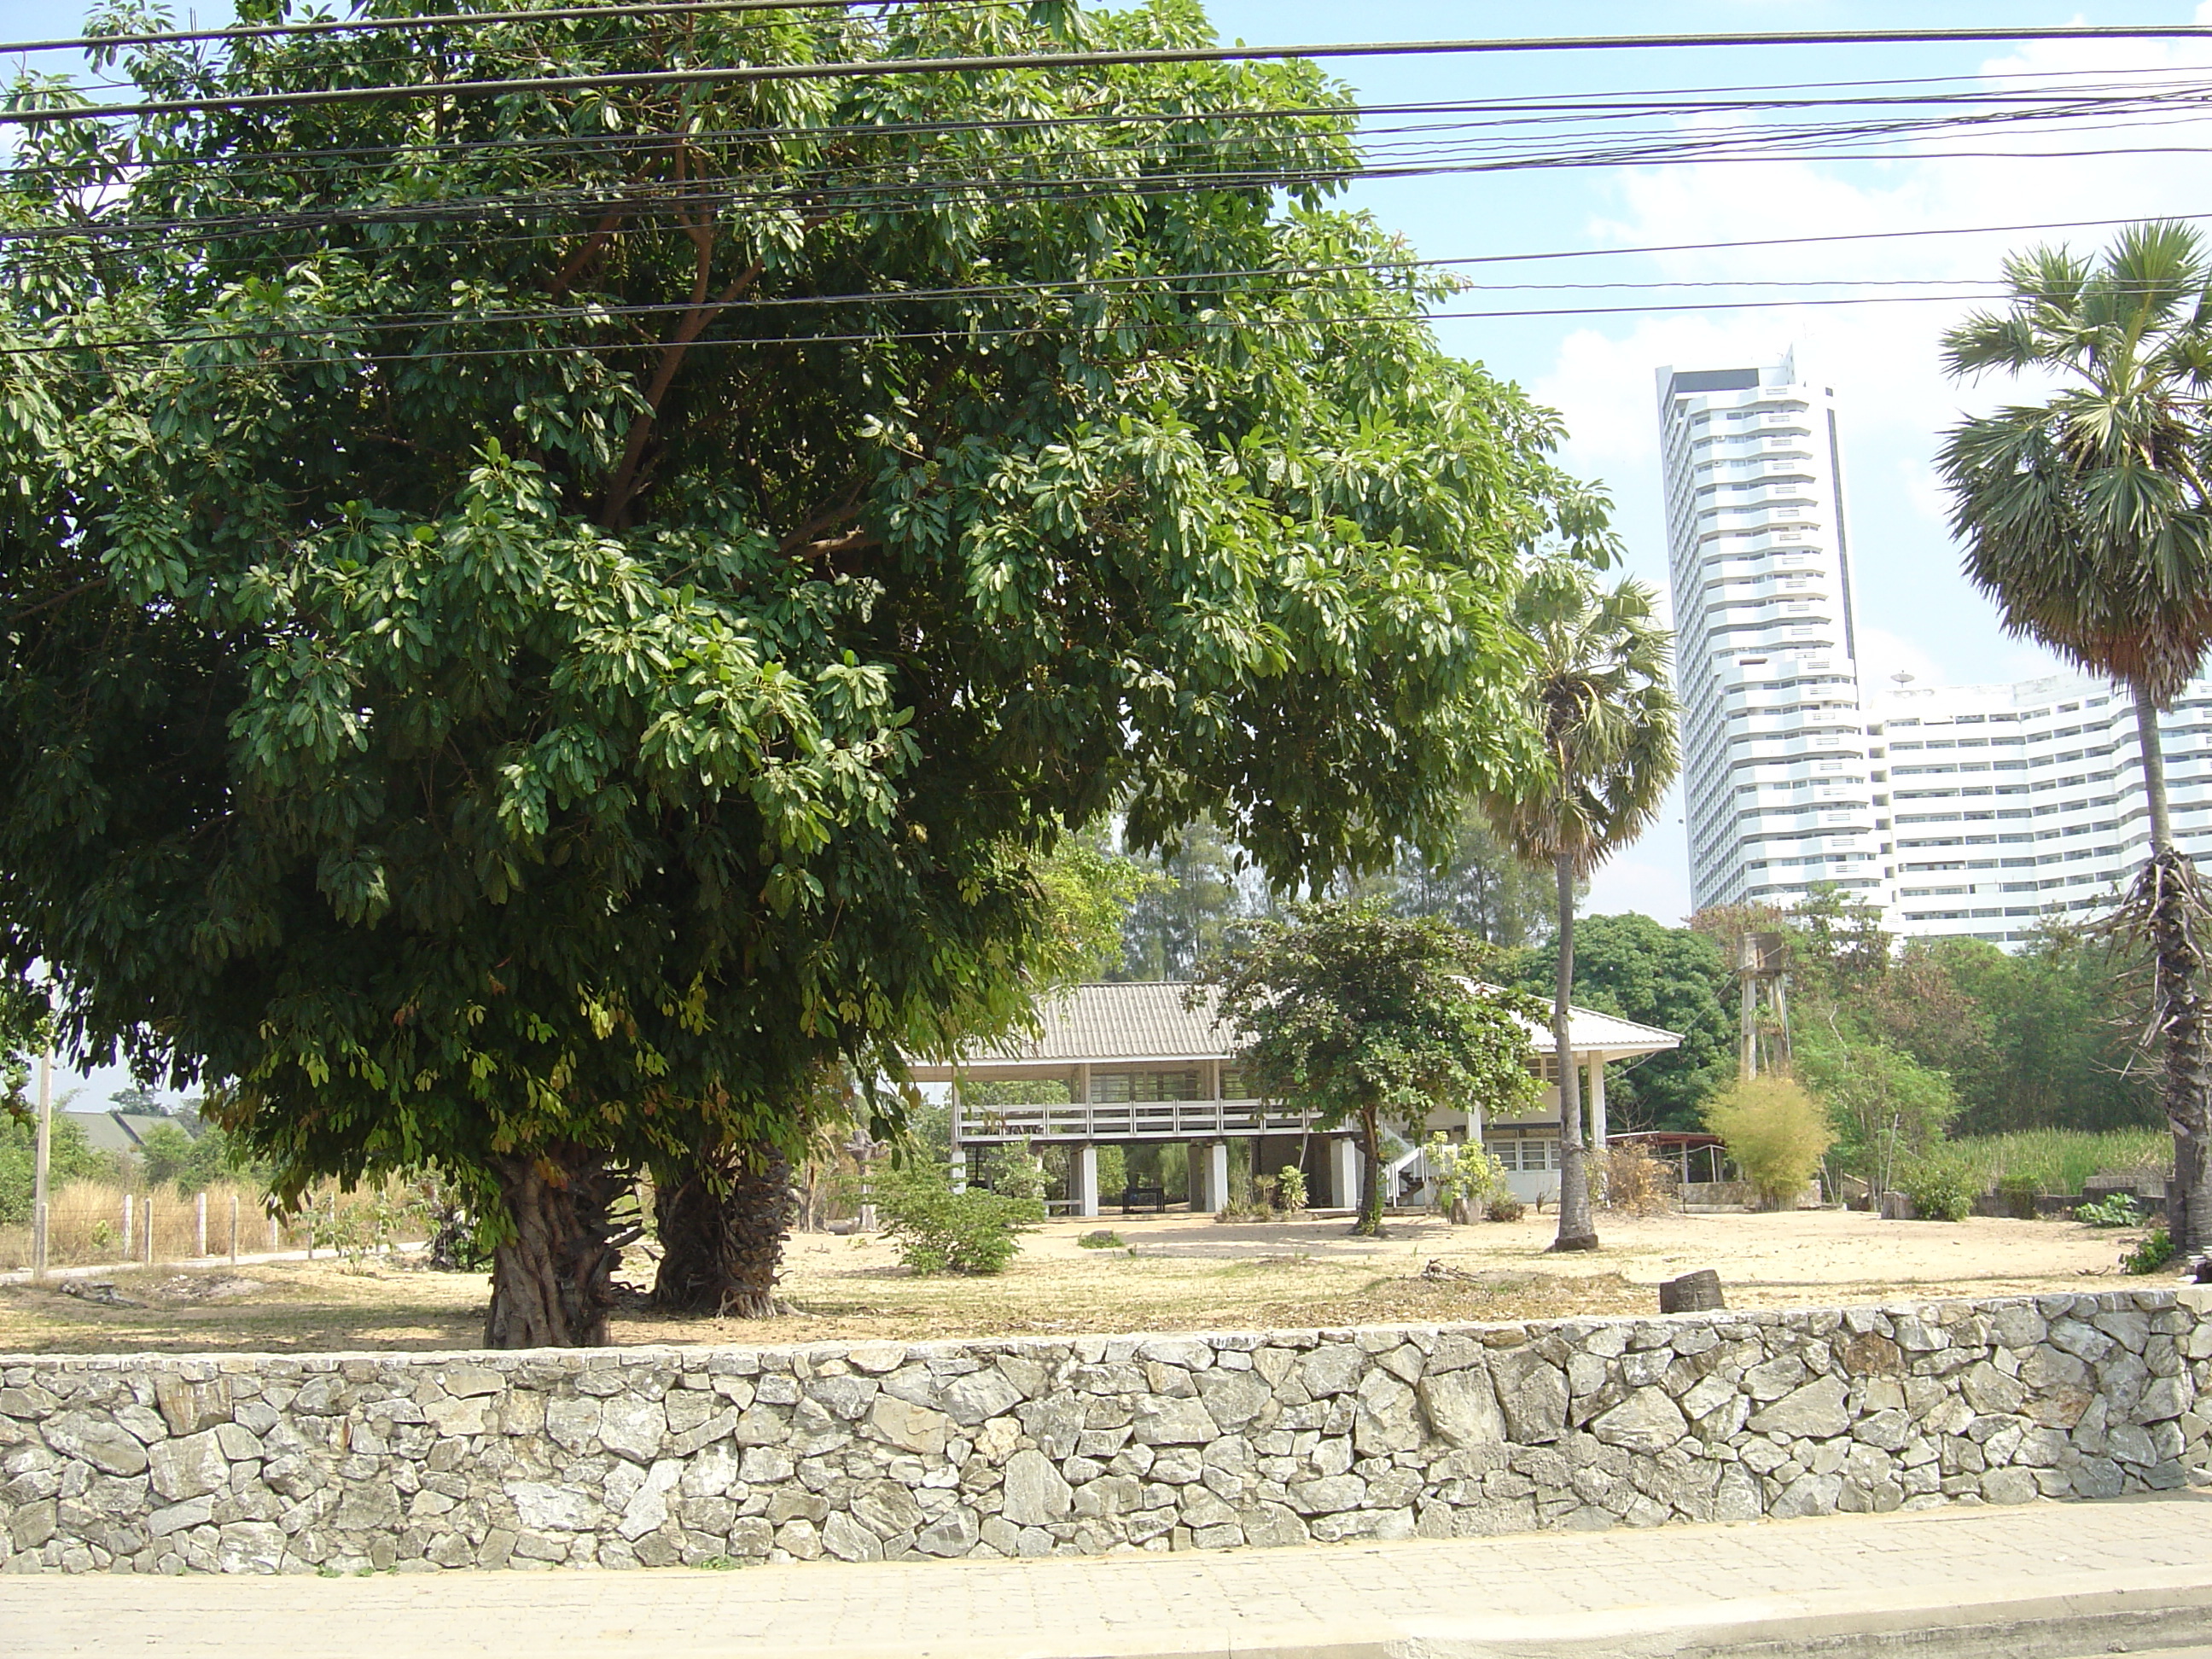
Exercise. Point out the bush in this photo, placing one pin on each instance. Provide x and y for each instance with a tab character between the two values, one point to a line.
1941	1187
941	1231
1467	1175
1101	1239
1291	1189
1776	1134
2154	1253
1504	1207
2120	1210
1014	1171
1631	1179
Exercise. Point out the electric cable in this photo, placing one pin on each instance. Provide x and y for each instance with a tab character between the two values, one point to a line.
1018	62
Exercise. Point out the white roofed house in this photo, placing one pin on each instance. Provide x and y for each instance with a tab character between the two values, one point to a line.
1140	1066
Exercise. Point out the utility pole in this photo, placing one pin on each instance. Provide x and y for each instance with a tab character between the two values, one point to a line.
41	1160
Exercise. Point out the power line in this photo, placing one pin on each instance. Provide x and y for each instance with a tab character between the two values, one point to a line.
1276	321
869	69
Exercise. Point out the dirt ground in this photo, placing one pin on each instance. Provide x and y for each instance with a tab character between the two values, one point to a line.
1169	1272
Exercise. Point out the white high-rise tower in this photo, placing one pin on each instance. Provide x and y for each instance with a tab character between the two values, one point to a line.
1774	746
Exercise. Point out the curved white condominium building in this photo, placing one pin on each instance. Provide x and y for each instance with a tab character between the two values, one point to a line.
1776	781
1960	810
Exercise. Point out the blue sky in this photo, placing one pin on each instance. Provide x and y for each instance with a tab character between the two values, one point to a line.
1916	612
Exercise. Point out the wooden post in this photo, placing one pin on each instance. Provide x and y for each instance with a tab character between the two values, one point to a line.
199	1225
234	1229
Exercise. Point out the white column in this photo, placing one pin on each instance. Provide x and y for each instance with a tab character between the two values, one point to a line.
41	1164
1209	1175
1084	1170
199	1225
958	1173
1596	1071
1344	1172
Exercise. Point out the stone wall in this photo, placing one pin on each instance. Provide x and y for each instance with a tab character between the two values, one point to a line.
874	1450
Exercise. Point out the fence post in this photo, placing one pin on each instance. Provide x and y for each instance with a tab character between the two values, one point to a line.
234	1229
276	1234
199	1225
149	1226
129	1229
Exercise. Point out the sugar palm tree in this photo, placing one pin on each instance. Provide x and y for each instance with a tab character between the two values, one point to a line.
1599	701
2086	517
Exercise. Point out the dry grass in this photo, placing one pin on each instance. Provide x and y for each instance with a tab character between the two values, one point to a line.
1179	1273
86	1228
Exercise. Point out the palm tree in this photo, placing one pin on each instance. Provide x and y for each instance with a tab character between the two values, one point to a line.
1598	698
2087	518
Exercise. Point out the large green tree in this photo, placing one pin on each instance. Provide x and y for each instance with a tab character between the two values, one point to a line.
1373	1020
2088	519
537	623
1673	978
1598	694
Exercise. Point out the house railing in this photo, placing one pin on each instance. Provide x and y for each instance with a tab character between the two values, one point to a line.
1128	1120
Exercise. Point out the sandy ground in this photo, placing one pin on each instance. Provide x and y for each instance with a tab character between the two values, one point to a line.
1169	1272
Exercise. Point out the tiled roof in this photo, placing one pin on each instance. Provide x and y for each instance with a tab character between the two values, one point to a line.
1146	1019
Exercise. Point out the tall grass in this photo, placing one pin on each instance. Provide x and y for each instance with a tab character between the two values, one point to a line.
2062	1160
85	1228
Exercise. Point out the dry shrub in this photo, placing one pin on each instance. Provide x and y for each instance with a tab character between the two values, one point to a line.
1776	1134
1635	1182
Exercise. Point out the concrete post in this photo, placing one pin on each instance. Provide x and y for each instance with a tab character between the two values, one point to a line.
41	1165
129	1232
1209	1176
199	1225
1344	1171
1083	1171
233	1229
957	1176
1596	1074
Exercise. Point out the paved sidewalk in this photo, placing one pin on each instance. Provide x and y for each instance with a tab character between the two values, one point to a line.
2044	1581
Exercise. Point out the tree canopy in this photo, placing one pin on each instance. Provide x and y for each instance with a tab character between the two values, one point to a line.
534	622
1368	1018
1673	978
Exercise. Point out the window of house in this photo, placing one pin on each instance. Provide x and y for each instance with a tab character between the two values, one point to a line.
1117	1088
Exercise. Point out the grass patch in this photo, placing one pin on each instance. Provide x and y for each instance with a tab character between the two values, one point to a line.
1102	1239
2063	1160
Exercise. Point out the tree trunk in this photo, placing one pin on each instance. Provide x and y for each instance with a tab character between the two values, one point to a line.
722	1227
1369	1224
1577	1228
2169	891
552	1284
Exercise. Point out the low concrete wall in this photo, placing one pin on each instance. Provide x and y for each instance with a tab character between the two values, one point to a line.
873	1450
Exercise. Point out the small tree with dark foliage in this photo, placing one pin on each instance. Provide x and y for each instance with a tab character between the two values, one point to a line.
1364	1017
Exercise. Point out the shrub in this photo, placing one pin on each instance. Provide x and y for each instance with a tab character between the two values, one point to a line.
2154	1253
1101	1239
1631	1179
1504	1207
1941	1186
2119	1210
941	1231
1776	1134
1467	1175
1291	1189
1014	1171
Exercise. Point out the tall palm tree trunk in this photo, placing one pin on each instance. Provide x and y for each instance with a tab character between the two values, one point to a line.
1578	1229
2167	897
